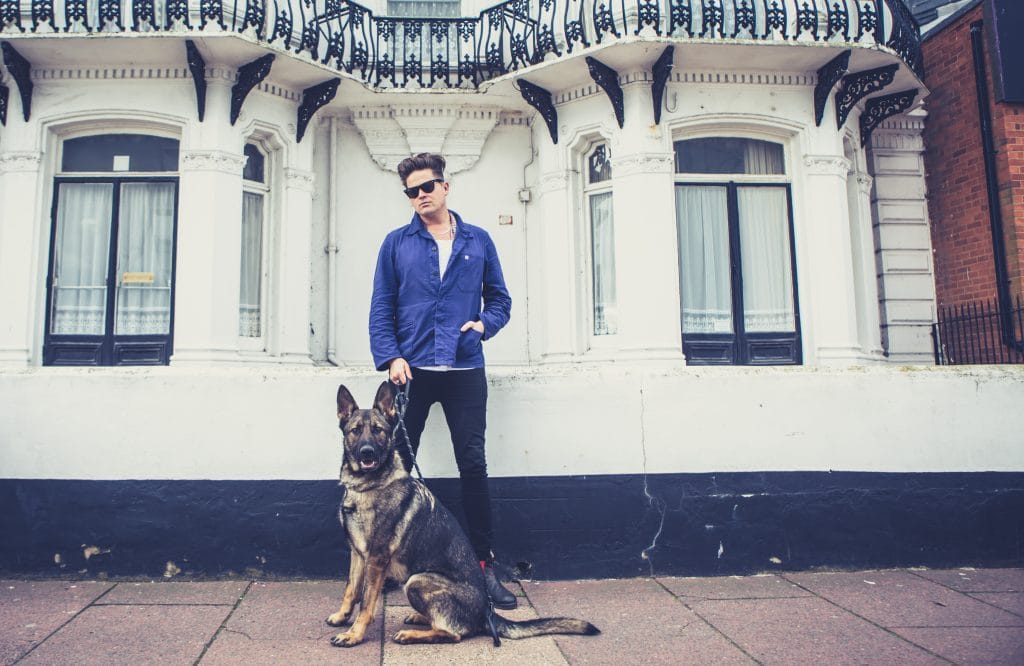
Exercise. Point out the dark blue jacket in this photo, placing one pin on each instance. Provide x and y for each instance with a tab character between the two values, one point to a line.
416	315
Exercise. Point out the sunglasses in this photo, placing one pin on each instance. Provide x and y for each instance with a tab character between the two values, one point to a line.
428	187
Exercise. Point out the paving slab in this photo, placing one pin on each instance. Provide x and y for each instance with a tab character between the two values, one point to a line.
902	599
976	580
177	592
733	587
540	650
32	610
640	621
277	615
234	648
114	635
1008	601
1002	646
807	630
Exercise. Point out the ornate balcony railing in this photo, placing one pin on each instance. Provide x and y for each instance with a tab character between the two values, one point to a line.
389	52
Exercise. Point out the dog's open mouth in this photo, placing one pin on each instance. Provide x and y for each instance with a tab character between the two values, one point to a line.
367	460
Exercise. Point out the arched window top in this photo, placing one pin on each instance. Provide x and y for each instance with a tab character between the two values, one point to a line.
729	155
104	153
599	164
255	164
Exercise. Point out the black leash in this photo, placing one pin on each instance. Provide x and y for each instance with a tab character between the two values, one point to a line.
490	623
401	404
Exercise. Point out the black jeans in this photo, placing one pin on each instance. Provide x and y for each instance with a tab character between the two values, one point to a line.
463	397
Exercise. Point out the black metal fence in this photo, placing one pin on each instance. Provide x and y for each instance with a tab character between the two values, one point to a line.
979	333
398	52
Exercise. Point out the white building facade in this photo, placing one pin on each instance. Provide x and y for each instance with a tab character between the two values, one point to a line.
710	215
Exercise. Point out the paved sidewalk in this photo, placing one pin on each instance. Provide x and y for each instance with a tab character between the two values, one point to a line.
918	616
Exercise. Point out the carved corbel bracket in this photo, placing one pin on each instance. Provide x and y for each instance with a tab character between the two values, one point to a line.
858	86
877	109
608	79
541	99
313	99
21	71
662	70
249	76
197	66
828	76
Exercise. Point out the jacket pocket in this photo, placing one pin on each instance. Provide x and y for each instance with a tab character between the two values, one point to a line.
469	344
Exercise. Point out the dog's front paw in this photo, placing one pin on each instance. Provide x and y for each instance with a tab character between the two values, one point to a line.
347	639
403	637
338	619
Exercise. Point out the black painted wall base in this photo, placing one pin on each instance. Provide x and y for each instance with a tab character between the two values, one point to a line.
550	527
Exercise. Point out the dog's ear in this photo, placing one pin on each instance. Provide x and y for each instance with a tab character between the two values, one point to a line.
346	404
385	400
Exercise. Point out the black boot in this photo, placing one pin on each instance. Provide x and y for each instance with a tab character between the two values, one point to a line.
501	597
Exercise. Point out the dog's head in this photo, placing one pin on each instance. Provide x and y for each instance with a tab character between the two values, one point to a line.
369	445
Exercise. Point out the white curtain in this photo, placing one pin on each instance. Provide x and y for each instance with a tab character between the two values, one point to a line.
704	281
252	266
81	255
145	243
602	244
762	158
767	269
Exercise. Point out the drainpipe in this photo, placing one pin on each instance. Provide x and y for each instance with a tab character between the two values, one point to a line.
992	188
332	242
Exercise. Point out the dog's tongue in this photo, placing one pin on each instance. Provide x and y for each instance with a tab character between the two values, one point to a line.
368	464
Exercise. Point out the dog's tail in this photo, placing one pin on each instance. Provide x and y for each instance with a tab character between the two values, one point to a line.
545	625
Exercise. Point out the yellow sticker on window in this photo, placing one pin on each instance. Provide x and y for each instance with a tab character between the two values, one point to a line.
137	278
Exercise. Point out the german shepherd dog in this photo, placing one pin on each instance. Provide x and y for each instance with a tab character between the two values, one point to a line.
396	528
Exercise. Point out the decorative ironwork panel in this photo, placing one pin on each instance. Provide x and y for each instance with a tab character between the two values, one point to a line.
256	17
828	76
713	18
838	19
210	10
905	38
680	15
608	79
10	14
604	20
877	109
648	13
744	18
662	70
197	66
42	13
144	13
774	17
177	10
21	70
807	18
283	27
76	12
858	86
540	99
249	76
313	99
867	18
109	14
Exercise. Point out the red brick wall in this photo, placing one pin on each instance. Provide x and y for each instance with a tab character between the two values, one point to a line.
954	162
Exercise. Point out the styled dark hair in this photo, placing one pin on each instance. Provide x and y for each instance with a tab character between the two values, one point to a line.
422	161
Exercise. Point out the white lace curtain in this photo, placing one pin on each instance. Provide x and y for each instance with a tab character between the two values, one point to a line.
602	239
249	311
704	284
145	242
81	257
765	260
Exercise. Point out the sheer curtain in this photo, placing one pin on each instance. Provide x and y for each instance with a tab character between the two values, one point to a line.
602	247
704	282
252	266
762	158
145	243
81	254
765	259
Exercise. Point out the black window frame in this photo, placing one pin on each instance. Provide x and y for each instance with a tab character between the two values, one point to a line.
740	347
109	349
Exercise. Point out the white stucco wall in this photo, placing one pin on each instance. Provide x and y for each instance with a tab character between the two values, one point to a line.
232	423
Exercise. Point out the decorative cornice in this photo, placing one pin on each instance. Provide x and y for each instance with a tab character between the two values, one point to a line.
213	160
629	165
827	165
20	161
897	140
213	75
394	132
773	79
553	182
299	179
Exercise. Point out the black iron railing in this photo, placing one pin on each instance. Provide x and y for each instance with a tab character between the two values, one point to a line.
464	52
979	333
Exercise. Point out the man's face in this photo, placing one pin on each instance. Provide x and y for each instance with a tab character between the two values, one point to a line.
426	203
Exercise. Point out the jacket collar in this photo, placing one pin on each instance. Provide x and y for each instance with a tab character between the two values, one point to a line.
416	226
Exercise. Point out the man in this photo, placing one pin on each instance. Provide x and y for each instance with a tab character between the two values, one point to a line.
426	321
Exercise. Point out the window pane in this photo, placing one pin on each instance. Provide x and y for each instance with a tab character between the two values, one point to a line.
252	266
704	279
120	152
602	248
599	166
765	253
145	247
81	255
729	155
254	162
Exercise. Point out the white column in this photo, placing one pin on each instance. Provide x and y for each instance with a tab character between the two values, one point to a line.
209	236
292	314
19	213
830	262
